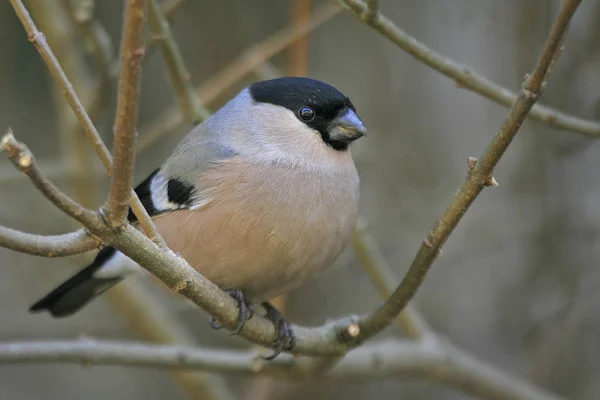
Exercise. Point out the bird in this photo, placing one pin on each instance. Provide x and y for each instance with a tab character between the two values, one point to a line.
259	198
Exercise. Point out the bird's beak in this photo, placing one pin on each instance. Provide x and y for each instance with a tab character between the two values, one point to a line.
347	128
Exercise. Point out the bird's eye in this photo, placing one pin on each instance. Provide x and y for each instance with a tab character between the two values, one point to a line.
306	114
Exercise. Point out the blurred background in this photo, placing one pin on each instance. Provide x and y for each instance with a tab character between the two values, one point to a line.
517	284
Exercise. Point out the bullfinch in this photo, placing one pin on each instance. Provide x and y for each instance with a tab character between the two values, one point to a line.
259	198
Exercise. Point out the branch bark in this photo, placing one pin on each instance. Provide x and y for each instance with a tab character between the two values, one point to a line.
132	52
476	181
67	244
396	359
467	78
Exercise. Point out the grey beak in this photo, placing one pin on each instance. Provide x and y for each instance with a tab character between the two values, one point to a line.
347	128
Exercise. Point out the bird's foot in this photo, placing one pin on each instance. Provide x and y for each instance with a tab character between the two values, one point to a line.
246	311
286	339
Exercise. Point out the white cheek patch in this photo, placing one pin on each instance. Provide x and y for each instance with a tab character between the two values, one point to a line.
159	193
118	266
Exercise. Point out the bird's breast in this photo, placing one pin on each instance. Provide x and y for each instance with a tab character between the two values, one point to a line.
266	228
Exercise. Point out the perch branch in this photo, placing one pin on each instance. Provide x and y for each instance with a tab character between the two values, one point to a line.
39	41
64	245
132	52
467	78
475	182
396	359
189	101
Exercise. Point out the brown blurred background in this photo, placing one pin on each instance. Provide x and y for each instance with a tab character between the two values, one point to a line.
518	281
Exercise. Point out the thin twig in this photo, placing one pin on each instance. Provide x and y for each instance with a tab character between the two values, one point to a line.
239	68
397	359
474	184
24	161
67	244
179	76
469	79
132	52
39	41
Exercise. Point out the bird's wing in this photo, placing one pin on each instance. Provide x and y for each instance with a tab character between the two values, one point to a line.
176	184
159	194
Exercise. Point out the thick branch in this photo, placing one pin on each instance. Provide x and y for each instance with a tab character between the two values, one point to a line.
187	97
401	360
477	179
24	161
39	41
466	78
132	51
64	245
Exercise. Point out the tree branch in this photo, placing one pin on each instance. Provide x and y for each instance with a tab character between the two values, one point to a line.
132	51
24	161
466	78
397	359
67	244
477	179
189	101
39	41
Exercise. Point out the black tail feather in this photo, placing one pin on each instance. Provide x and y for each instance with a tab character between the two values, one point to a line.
76	292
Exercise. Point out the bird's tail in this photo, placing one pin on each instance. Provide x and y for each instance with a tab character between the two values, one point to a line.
80	289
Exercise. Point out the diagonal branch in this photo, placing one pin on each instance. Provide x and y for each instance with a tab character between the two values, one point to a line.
477	179
39	41
132	51
187	97
466	78
67	244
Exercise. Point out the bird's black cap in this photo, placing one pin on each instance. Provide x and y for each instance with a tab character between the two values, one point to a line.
294	93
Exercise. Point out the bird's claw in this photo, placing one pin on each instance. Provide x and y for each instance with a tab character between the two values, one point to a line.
245	307
286	339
